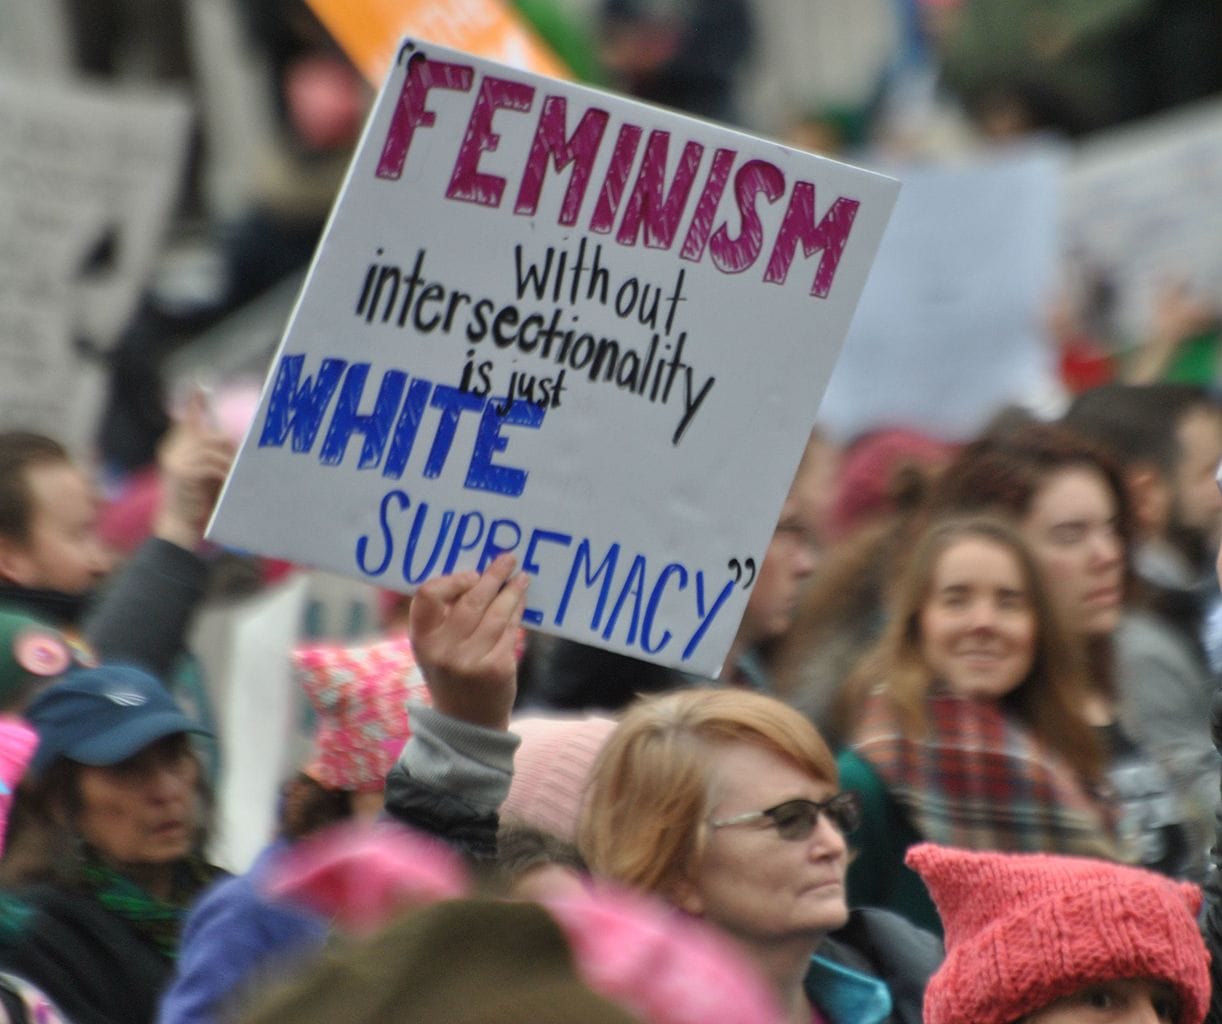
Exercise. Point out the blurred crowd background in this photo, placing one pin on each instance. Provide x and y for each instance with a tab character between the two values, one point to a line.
995	566
171	164
1109	242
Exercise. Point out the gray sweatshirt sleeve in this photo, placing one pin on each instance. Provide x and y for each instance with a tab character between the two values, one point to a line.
457	757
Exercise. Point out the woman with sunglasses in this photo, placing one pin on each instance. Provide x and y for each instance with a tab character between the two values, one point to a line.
970	731
726	803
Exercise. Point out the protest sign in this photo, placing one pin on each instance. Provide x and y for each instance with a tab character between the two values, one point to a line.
1142	212
951	321
87	178
552	321
258	705
369	32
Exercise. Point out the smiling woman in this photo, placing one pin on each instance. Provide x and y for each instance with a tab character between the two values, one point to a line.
105	846
970	731
1072	505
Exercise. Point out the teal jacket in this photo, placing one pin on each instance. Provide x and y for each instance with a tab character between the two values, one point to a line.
873	970
878	876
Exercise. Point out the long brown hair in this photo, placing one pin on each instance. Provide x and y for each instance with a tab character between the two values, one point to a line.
1048	701
1002	473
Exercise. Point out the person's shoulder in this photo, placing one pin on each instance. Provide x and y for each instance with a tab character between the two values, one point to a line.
16	909
51	916
855	771
1146	642
889	940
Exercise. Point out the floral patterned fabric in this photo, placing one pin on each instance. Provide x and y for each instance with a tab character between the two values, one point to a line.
360	695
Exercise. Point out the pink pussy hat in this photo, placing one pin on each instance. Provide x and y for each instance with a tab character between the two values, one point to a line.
360	695
17	743
1024	930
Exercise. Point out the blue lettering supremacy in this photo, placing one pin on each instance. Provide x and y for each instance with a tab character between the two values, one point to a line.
614	596
620	596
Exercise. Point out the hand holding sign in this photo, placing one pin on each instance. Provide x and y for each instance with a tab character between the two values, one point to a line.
194	460
463	630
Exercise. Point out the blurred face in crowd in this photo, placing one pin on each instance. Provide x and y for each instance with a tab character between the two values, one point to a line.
791	557
142	814
760	887
1072	527
978	628
1129	1001
1197	503
62	550
793	553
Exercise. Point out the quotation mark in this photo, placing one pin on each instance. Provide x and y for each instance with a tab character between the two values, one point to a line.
746	567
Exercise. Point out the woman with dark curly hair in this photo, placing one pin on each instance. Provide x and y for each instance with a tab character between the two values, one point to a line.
105	846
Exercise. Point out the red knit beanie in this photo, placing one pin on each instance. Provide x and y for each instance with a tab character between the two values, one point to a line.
1024	930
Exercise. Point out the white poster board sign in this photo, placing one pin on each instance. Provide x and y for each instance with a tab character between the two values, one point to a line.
951	321
87	179
547	320
1142	211
258	705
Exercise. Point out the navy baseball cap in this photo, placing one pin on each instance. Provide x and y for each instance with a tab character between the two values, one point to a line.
101	716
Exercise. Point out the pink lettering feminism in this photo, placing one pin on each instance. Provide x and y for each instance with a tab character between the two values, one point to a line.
652	207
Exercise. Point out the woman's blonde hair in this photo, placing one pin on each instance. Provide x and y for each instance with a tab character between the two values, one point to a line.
643	819
1048	701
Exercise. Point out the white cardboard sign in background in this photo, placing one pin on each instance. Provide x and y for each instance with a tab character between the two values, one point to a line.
662	298
1142	210
951	324
87	181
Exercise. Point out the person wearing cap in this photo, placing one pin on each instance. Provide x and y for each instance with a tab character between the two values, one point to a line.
1048	939
238	933
105	848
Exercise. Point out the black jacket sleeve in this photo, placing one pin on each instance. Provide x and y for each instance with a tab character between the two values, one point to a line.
143	615
451	779
463	825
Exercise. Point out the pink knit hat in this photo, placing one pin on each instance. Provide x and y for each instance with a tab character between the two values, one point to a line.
664	966
629	947
551	770
359	875
871	476
1024	930
360	695
17	743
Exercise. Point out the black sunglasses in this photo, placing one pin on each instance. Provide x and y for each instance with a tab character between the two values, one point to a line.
796	819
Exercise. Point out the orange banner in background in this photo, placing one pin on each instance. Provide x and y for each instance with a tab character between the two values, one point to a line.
369	32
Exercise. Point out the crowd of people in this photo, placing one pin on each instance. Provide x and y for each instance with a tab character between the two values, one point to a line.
962	762
1012	820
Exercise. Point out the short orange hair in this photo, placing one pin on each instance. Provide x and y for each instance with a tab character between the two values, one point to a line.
643	820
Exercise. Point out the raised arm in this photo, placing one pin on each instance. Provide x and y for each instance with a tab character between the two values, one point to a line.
145	612
454	772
